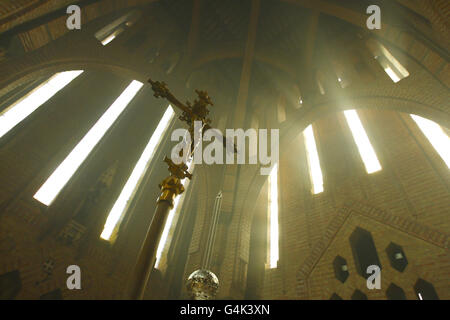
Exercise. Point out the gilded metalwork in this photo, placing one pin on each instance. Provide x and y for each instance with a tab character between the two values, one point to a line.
172	185
202	284
198	111
191	112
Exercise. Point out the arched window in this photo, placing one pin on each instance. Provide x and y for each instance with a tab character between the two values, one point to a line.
393	68
273	218
115	28
437	137
134	180
22	108
362	141
315	171
59	178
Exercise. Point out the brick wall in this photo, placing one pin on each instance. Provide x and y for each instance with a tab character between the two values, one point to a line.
405	203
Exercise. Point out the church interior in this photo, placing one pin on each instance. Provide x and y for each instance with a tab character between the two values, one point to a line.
356	207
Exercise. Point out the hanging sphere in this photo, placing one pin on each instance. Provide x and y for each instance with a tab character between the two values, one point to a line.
202	285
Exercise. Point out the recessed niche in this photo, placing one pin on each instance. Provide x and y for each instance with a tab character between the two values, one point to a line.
397	257
340	269
394	292
425	290
364	251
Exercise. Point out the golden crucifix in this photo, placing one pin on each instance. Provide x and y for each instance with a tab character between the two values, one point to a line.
170	187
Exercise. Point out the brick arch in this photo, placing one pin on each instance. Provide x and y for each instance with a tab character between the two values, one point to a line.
80	53
401	40
435	10
295	127
252	187
80	50
314	113
320	110
26	13
421	93
48	69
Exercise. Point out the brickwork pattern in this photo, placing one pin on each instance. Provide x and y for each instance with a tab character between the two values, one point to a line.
406	202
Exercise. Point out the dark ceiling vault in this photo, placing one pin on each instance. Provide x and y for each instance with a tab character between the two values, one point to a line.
233	43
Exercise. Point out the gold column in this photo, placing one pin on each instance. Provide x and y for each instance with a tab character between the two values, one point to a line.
170	188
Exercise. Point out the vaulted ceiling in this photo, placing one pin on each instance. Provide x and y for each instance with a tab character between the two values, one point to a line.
215	39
